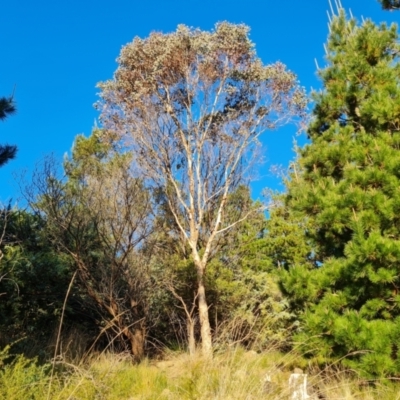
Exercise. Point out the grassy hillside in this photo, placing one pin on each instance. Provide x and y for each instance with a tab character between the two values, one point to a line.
233	374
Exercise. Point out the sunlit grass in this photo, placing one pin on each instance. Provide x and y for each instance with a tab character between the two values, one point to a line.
232	374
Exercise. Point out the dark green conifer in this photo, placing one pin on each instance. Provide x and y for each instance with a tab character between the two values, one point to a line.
7	107
349	193
390	4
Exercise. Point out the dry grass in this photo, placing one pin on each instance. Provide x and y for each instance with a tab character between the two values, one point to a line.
231	375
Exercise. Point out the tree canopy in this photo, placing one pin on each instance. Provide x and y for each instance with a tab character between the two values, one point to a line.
348	192
190	106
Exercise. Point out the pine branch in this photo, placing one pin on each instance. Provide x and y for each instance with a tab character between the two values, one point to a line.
7	107
390	4
7	153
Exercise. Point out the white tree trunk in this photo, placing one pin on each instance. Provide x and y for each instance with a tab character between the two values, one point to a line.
191	339
205	329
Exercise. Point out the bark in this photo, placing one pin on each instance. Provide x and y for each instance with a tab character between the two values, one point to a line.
190	320
135	335
136	339
191	107
191	338
205	329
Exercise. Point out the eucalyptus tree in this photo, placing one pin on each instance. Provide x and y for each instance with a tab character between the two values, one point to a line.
191	106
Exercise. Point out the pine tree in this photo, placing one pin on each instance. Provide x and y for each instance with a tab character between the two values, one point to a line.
349	193
7	107
390	4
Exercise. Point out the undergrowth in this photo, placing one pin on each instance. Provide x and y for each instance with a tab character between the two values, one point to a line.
231	374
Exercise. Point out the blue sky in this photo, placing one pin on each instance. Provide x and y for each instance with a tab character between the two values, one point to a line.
55	52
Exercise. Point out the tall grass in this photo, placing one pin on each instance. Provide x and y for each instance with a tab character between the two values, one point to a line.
232	374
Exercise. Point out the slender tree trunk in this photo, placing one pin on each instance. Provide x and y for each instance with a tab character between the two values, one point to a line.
205	329
191	339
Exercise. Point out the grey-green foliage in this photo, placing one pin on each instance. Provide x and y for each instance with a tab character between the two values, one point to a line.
99	216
